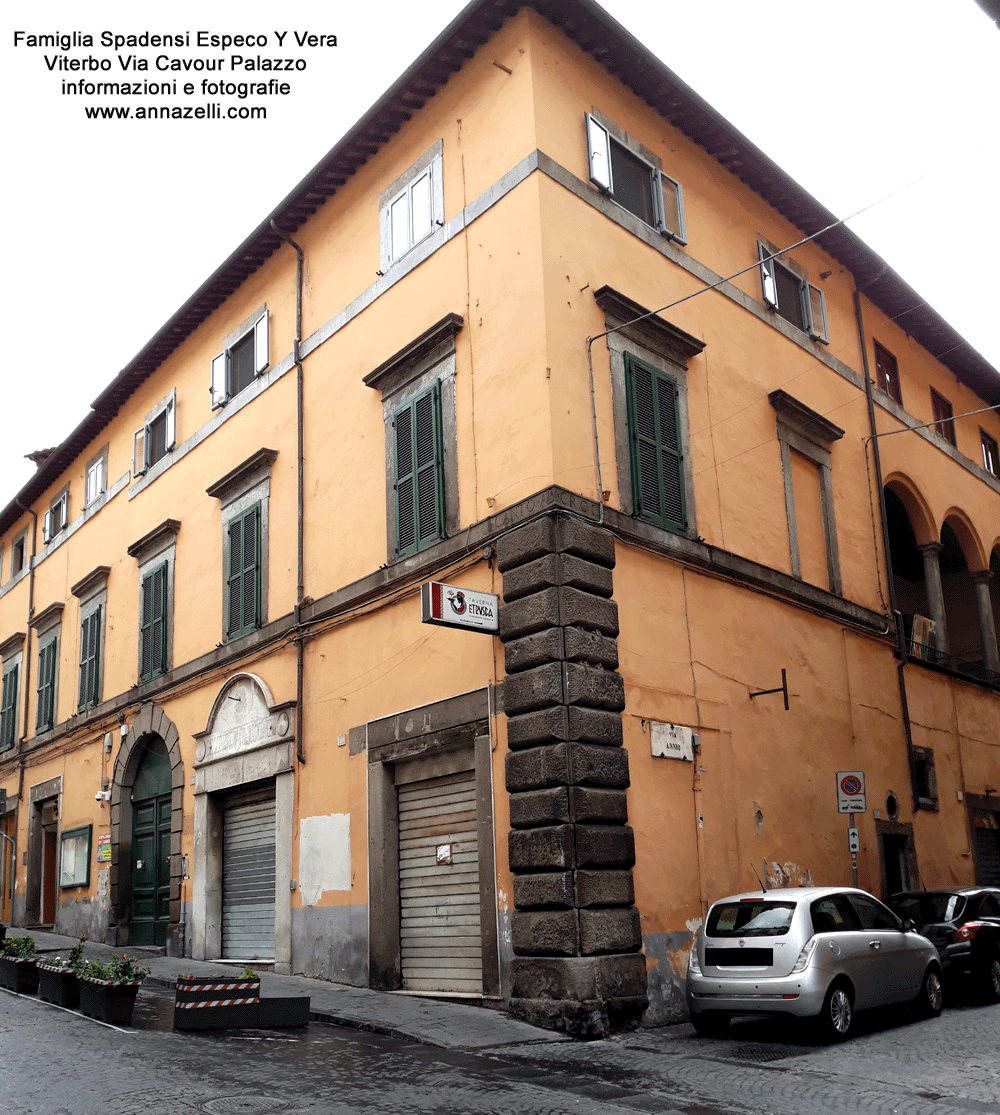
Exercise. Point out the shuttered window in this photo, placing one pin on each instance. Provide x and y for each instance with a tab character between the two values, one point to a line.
153	624
47	657
90	658
655	445
8	710
243	566
418	472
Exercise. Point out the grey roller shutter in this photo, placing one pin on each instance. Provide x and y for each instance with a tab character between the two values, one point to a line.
248	879
440	937
987	848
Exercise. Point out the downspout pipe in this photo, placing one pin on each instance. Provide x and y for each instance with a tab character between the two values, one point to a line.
901	648
300	591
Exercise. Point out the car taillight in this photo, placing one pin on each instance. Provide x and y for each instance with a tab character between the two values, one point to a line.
693	966
805	956
968	931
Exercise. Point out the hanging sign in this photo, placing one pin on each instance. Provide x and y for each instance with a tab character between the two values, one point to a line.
851	791
451	606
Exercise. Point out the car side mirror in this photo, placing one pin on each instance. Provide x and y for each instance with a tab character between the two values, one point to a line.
909	925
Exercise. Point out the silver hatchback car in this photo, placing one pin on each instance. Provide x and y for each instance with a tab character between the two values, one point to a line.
811	952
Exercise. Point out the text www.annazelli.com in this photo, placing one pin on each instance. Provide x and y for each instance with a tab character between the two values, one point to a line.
211	111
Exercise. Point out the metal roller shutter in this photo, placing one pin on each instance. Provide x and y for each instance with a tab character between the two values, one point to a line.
440	939
248	879
986	826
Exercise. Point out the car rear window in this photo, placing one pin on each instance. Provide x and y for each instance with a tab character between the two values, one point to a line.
927	908
750	918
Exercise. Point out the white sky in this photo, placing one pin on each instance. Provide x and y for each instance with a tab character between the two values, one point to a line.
112	225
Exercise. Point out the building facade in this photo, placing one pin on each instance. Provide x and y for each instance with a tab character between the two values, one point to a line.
521	332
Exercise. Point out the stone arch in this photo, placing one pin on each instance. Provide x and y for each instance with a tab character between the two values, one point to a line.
916	507
968	538
151	723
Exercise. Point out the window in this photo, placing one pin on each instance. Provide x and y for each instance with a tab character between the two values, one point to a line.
943	416
991	459
632	176
57	517
8	707
47	662
155	439
96	478
417	386
244	357
649	370
655	445
244	493
92	592
790	294
74	859
418	472
243	576
887	373
47	629
155	553
925	777
153	625
412	207
90	659
17	552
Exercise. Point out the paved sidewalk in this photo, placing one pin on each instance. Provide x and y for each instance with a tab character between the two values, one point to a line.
448	1025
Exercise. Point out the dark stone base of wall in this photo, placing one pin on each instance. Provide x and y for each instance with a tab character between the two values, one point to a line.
585	997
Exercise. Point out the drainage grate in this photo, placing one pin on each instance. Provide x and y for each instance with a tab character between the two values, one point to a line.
244	1105
760	1054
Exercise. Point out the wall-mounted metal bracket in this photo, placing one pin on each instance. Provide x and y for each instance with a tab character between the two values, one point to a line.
783	688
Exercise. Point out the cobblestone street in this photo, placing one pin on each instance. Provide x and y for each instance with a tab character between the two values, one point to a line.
60	1063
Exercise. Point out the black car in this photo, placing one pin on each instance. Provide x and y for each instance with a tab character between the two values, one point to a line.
963	923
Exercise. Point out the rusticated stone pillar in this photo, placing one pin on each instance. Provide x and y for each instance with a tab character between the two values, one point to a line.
576	937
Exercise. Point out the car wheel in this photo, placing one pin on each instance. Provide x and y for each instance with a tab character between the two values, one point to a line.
837	1016
991	983
709	1024
931	997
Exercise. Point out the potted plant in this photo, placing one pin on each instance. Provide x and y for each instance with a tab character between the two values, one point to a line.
108	988
17	965
217	1002
59	978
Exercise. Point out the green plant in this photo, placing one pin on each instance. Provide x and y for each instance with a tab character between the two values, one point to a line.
20	948
117	970
73	963
246	973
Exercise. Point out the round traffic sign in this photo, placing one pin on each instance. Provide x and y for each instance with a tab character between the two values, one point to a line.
851	785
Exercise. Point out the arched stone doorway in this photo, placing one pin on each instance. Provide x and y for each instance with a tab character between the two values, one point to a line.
146	818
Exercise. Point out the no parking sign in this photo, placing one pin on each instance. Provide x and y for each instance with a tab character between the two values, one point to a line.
851	791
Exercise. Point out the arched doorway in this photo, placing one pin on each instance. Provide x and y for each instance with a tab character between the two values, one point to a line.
151	815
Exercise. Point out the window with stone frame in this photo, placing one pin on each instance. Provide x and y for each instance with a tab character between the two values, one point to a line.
412	208
244	357
786	290
887	373
417	386
944	416
155	554
47	625
92	592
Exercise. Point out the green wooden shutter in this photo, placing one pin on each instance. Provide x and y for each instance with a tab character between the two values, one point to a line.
244	573
45	714
90	654
419	472
8	710
153	625
655	445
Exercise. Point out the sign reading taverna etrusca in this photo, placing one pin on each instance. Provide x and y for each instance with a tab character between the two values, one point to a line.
451	606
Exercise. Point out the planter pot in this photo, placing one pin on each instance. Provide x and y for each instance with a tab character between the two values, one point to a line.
106	1001
59	985
215	1003
18	975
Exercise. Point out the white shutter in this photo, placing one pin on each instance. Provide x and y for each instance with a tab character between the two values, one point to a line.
248	878
47	527
767	282
139	452
171	430
218	388
672	196
260	344
816	301
599	154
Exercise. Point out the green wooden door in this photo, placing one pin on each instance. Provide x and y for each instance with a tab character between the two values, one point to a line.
151	814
